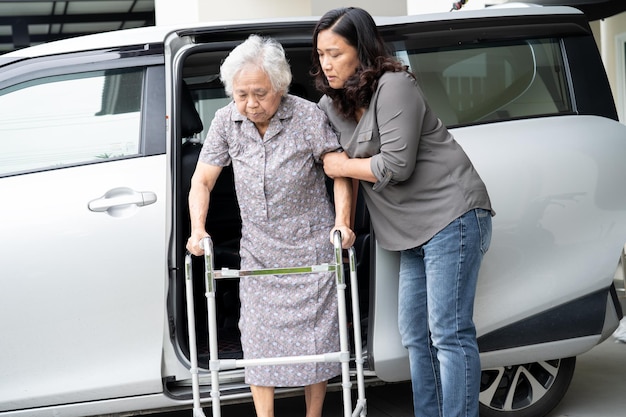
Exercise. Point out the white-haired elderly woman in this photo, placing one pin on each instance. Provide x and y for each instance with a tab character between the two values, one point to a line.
276	143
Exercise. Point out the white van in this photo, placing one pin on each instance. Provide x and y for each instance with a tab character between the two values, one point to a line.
99	136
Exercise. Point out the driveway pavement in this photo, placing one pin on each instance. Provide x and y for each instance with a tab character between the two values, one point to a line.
598	389
599	385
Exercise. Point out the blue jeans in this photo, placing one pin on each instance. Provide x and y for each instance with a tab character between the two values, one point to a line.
436	304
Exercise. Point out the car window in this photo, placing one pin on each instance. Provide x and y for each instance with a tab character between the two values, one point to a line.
209	100
492	82
71	119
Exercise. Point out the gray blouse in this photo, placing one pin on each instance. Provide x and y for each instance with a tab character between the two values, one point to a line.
424	178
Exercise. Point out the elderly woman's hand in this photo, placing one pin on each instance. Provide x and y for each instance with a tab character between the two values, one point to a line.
347	236
194	243
333	163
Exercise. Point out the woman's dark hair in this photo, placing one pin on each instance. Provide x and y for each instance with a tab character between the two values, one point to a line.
359	30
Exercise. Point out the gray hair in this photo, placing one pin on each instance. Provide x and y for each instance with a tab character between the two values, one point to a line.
265	53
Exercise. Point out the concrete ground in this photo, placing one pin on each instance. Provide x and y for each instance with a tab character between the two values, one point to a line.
599	385
598	389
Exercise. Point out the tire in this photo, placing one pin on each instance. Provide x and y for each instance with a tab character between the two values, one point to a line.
528	390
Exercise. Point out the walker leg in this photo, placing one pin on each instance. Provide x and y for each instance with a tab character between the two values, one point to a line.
193	353
344	344
212	320
358	344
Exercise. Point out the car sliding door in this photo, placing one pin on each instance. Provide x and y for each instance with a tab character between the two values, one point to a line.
551	175
83	186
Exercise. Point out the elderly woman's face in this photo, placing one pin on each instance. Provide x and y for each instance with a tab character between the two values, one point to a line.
254	96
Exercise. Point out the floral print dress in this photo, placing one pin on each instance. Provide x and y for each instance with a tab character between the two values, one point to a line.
286	220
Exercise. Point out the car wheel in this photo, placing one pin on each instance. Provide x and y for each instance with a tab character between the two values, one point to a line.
528	390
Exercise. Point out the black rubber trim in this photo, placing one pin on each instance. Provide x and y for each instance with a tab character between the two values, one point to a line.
578	318
616	302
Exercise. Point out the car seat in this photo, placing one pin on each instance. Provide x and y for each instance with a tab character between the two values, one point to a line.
223	224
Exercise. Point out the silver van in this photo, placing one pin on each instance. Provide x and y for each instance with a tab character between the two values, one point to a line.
99	136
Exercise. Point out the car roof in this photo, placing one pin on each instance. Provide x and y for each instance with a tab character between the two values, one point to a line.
157	34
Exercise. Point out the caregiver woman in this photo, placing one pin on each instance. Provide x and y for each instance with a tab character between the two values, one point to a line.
425	199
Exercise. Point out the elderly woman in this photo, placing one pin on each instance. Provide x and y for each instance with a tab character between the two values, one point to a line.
276	143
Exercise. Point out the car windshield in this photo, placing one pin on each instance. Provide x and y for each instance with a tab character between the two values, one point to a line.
492	82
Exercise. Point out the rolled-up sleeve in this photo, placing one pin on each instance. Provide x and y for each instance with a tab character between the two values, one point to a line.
400	110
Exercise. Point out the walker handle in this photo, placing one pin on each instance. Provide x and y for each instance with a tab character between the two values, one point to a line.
337	239
206	244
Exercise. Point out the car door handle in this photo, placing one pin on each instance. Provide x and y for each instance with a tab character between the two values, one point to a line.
122	197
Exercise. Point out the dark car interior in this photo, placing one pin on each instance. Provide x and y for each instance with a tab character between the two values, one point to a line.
202	93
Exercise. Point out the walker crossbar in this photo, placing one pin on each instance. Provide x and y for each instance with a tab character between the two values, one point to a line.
237	273
342	357
228	364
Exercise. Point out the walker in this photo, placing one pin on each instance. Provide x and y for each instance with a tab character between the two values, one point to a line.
216	364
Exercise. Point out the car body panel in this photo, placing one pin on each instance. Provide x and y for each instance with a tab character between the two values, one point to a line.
554	195
99	316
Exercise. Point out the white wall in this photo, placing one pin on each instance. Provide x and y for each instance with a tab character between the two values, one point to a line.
375	7
251	9
612	47
168	12
191	11
435	6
